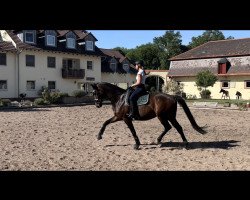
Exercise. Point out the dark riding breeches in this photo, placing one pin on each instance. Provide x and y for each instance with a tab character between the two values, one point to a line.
136	93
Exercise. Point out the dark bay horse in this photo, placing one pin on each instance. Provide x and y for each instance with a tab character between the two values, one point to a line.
160	105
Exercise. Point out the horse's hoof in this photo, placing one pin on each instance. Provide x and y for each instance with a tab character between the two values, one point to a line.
99	137
158	142
136	146
186	144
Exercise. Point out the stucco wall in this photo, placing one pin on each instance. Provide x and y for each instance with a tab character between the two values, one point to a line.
236	84
119	79
41	74
212	62
8	72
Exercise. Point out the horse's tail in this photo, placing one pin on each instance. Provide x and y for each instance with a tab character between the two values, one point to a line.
182	102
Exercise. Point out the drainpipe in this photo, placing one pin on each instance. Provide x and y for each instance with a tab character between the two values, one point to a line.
18	72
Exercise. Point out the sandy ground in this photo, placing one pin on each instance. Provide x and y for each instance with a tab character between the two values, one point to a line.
65	139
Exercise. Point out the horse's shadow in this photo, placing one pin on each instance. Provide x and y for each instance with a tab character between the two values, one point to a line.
191	145
202	145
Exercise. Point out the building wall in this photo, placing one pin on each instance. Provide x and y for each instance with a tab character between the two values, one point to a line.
122	80
212	62
236	84
8	73
41	74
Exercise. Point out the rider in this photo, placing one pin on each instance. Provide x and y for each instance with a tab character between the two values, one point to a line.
139	88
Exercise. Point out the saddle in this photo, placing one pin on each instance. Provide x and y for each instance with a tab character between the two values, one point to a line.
143	99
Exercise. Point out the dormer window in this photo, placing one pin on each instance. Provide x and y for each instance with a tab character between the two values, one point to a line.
71	40
50	38
89	45
29	37
223	66
113	64
71	43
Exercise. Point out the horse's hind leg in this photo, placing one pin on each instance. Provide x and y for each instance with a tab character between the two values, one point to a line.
111	120
132	129
167	127
179	129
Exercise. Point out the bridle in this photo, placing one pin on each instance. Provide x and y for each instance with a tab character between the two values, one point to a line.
97	99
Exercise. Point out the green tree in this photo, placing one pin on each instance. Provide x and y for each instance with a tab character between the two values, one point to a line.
208	35
149	53
170	45
123	51
205	79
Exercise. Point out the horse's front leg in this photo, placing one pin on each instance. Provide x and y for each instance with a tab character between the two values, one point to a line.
132	129
109	121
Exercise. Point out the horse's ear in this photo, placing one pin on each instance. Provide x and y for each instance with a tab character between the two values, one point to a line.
94	86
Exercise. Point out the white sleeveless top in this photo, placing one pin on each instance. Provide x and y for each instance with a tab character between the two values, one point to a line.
143	76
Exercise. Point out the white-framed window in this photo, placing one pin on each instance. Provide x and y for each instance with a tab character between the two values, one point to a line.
51	40
89	45
3	85
225	84
71	43
90	65
30	60
29	37
51	85
247	84
51	61
2	58
31	85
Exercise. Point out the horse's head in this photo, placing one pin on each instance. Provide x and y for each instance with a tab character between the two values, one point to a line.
221	90
98	95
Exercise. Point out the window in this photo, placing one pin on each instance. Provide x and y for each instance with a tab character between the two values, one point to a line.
224	84
90	65
89	45
247	84
125	66
51	85
71	43
51	62
3	85
2	58
29	37
51	40
90	78
30	60
30	85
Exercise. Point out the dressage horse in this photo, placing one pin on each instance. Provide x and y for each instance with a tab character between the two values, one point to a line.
225	94
160	105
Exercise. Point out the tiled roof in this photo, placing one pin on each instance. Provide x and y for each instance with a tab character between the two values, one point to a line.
61	46
215	49
110	53
7	46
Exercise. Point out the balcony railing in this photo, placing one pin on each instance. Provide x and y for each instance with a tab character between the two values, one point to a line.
73	73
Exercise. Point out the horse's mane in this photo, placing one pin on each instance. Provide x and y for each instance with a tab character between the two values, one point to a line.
112	87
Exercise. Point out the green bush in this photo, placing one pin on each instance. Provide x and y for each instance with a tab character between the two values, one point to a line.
39	101
56	97
205	94
5	102
79	93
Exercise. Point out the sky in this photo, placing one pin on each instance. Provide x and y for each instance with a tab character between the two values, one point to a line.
131	38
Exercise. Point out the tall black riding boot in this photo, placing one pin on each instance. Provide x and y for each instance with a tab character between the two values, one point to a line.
134	113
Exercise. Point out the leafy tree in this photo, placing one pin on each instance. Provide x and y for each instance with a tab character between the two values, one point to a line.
205	79
170	45
208	35
122	50
149	53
